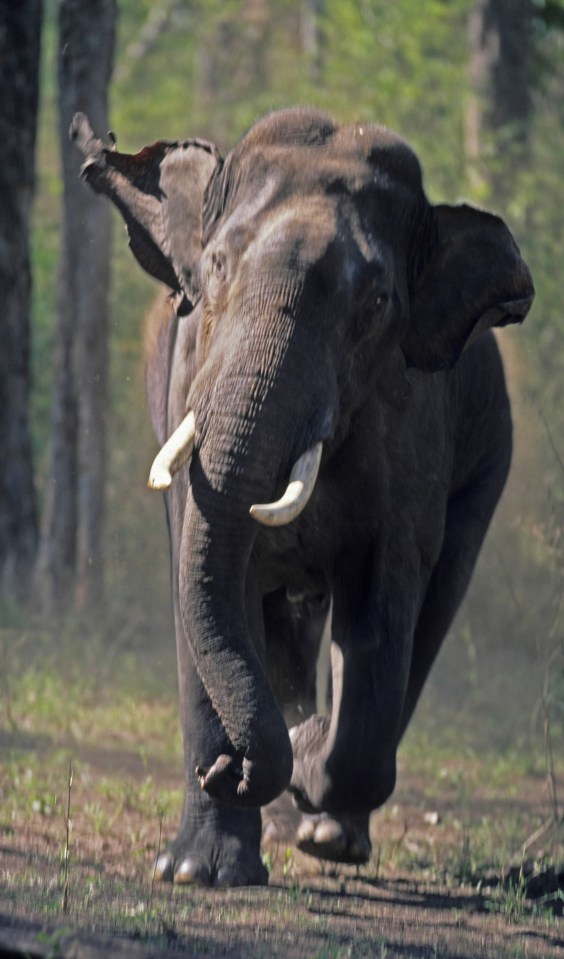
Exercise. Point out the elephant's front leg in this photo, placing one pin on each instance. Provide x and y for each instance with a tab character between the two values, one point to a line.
345	765
216	844
294	625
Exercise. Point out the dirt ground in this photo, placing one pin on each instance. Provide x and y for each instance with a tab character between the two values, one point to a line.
434	887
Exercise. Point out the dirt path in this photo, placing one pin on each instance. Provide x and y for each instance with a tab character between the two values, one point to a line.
432	890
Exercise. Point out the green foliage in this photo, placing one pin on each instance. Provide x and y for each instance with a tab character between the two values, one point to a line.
213	69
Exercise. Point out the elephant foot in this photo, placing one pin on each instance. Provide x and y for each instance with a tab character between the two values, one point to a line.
206	855
337	840
280	821
343	840
192	870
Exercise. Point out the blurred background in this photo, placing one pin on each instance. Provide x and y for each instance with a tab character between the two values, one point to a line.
477	87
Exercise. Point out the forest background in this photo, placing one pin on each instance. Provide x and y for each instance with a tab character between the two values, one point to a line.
488	125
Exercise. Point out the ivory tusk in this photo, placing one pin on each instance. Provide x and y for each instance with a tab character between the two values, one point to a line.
176	451
298	491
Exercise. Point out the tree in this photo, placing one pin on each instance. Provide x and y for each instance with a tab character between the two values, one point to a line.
20	32
500	38
232	61
71	560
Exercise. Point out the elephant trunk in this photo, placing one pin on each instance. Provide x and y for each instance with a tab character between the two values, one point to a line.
246	443
256	762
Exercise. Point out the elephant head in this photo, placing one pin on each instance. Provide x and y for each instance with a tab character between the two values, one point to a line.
318	273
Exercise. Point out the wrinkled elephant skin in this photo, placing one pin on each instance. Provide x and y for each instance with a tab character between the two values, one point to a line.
326	325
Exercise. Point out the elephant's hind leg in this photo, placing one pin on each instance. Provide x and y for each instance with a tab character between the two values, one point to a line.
469	514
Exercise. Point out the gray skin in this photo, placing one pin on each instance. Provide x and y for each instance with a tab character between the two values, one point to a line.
316	296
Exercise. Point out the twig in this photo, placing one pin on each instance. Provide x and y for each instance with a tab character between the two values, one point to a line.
68	827
547	826
152	889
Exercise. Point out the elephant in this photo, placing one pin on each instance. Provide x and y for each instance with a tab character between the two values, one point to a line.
335	432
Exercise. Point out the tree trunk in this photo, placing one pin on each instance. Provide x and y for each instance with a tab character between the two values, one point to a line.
311	36
20	31
498	111
71	563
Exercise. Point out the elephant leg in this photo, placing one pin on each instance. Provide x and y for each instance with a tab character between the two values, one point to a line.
216	844
294	625
345	764
343	839
469	514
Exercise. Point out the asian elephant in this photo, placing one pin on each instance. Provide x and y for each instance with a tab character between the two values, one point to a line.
335	429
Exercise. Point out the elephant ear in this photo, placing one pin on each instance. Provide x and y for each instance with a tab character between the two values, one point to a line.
159	192
475	279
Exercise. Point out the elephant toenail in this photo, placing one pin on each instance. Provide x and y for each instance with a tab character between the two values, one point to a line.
306	830
163	869
330	832
192	872
227	877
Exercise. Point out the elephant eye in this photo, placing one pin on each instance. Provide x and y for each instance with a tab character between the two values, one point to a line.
217	272
218	265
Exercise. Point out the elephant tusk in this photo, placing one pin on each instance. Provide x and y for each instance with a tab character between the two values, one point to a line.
298	491
176	451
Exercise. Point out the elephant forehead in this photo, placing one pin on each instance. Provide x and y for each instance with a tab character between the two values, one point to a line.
382	155
301	227
294	203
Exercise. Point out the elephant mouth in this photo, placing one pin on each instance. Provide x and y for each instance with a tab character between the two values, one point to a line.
179	447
